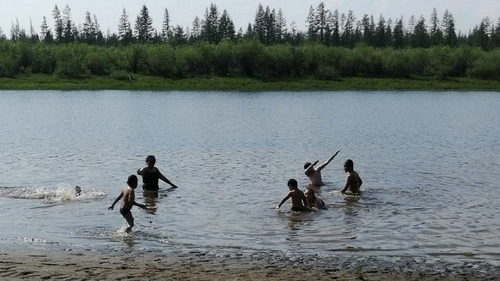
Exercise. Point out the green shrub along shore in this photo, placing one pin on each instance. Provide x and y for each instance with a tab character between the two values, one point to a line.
245	65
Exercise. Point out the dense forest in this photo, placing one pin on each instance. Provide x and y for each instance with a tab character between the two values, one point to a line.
335	45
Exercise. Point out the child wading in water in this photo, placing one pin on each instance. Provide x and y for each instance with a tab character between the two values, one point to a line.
297	197
128	200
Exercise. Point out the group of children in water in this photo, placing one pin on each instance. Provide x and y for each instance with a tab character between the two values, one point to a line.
307	201
300	201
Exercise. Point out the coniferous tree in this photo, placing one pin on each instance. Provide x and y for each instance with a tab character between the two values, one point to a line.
179	36
165	29
144	26
58	24
280	27
450	37
44	29
196	30
388	33
348	34
68	34
321	21
420	37
249	32
259	26
210	24
495	35
312	31
399	37
15	31
435	33
2	35
380	33
33	35
334	22
367	31
88	34
270	19
125	29
226	26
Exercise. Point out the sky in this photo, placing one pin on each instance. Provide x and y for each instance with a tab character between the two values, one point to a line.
467	13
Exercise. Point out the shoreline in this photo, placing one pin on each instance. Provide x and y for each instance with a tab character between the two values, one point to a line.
171	263
215	83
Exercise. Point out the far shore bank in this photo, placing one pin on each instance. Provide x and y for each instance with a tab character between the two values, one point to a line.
141	82
196	264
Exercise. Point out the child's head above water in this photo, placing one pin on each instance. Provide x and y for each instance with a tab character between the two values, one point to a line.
132	181
292	184
306	165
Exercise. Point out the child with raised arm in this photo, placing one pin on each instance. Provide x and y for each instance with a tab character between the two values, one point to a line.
314	173
128	201
297	197
353	182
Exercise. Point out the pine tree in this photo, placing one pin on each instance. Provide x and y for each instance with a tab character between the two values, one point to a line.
380	33
88	34
226	26
312	31
420	36
165	29
399	36
348	34
249	32
196	30
388	33
144	26
367	32
280	27
68	35
270	23
321	21
259	26
435	33
210	24
125	29
334	22
58	24
44	29
179	37
450	37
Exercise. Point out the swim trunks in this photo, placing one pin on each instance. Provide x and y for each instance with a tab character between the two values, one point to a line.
124	211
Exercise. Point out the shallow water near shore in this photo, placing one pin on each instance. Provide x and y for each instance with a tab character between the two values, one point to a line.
429	162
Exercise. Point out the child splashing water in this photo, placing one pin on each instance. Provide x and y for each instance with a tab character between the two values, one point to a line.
128	201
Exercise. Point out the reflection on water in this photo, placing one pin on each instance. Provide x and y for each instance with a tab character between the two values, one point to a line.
428	161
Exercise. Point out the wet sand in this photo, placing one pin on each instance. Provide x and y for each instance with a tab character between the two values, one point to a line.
204	265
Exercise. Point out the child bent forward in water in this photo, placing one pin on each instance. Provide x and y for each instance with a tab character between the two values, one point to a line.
128	201
297	197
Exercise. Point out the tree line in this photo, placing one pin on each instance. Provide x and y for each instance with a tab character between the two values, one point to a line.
247	57
324	26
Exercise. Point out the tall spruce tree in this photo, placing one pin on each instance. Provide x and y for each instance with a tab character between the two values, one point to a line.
348	34
399	36
210	24
321	21
448	24
125	29
144	26
226	26
380	33
165	29
58	24
420	37
44	29
312	31
435	33
259	26
196	30
68	34
334	22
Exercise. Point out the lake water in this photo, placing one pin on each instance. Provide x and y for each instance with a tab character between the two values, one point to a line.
429	162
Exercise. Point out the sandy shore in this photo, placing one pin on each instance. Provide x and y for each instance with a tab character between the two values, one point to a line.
202	265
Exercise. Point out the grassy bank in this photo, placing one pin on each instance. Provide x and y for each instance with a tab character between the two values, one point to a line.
139	82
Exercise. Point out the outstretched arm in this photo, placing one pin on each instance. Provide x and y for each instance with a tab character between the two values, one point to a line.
320	167
311	167
283	200
116	200
163	178
142	206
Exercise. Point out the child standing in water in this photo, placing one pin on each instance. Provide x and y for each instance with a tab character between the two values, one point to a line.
297	197
314	173
128	201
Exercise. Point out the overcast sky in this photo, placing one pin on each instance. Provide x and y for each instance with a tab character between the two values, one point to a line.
467	13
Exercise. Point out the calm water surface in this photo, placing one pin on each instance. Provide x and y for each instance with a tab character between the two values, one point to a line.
429	162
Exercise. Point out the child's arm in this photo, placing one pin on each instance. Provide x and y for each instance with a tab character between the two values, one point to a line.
163	178
116	200
284	200
320	167
347	184
142	206
311	167
139	171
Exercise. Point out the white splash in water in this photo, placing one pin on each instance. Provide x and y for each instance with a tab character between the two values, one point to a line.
63	193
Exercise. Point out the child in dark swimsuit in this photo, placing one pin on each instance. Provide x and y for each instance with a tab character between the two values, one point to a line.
313	201
128	201
297	197
151	175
